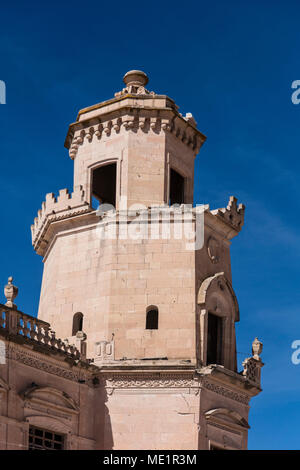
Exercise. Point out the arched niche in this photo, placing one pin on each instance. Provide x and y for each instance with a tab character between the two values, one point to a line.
218	311
226	429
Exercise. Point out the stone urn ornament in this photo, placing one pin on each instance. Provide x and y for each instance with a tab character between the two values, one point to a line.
10	292
257	347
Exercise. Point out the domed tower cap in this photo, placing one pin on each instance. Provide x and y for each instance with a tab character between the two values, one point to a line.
136	78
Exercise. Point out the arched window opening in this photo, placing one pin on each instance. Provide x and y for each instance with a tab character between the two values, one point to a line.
77	323
176	188
104	184
214	339
152	318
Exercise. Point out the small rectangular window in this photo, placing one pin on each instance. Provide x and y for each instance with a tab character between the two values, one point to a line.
42	439
104	184
152	318
176	188
214	339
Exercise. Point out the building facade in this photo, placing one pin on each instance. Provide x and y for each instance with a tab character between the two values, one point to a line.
137	284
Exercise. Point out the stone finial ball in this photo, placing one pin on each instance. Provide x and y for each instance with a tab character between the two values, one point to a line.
135	77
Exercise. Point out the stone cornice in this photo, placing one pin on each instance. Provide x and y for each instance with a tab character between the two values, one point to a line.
143	381
54	210
131	117
215	376
42	360
140	381
50	221
150	101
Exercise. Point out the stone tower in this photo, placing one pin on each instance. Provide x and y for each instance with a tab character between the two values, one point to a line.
153	311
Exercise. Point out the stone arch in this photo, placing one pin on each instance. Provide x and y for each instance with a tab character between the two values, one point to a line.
50	423
212	286
216	297
152	317
230	415
106	162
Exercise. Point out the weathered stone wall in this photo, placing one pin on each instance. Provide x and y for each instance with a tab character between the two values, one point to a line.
112	282
40	390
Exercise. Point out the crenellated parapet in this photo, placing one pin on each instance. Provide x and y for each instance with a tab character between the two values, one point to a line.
233	214
231	217
56	208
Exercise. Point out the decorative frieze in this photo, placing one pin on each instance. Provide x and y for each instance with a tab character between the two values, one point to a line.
150	381
225	392
182	128
36	362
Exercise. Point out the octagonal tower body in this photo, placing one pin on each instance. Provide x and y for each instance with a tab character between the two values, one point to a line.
133	151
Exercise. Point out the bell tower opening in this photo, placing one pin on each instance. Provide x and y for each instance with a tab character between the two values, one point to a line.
176	188
104	184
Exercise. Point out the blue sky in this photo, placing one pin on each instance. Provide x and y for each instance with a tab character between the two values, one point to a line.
229	63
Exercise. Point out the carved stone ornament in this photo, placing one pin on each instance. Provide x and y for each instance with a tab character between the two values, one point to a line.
10	292
135	81
252	365
257	347
213	250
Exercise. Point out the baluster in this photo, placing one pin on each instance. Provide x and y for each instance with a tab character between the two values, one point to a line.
77	354
46	335
12	321
20	325
32	329
26	330
52	340
2	318
39	333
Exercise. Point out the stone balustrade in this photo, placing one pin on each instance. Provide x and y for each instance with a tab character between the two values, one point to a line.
16	323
